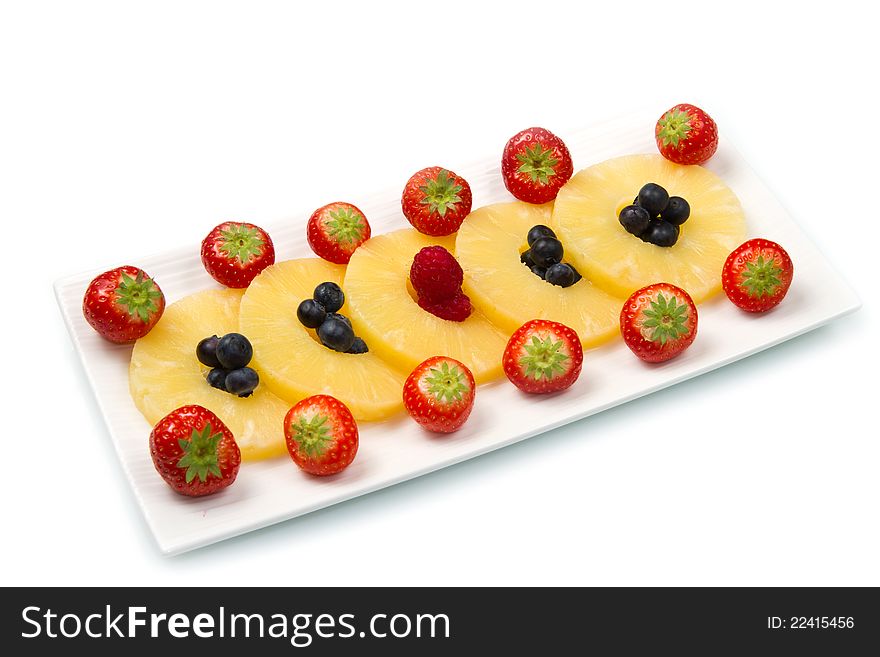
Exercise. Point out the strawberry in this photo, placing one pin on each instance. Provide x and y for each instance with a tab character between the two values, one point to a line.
685	134
658	322
439	394
757	275
234	253
123	304
321	435
436	200
535	164
194	452
335	230
543	356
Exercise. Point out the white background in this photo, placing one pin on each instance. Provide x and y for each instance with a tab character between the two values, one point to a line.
127	129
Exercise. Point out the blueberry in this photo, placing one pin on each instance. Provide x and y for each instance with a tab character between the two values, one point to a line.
661	233
577	275
206	351
234	351
546	251
561	274
358	347
537	232
526	258
635	219
653	198
217	378
341	318
330	296
676	211
336	334
310	313
540	272
242	381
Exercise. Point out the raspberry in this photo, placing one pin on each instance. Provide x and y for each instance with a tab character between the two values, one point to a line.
456	308
435	274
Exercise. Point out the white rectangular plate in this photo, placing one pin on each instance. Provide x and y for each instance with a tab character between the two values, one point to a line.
397	450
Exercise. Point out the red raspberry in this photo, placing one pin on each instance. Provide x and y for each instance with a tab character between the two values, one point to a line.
435	274
456	308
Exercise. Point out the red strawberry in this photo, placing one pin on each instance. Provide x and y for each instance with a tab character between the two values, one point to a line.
658	322
439	394
435	274
321	435
456	308
234	253
543	356
123	304
535	164
436	200
757	275
194	451
685	134
336	230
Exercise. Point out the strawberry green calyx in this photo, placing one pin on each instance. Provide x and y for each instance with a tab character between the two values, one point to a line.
312	434
241	242
345	225
761	277
139	295
674	127
538	163
665	320
543	358
200	454
446	383
441	193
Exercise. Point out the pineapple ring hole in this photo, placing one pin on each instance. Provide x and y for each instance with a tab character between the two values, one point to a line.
525	247
620	206
522	249
624	203
313	334
412	291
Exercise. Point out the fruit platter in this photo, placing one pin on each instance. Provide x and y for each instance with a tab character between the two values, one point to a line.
280	368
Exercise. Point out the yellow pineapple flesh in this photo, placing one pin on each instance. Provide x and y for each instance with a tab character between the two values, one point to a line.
489	245
389	318
290	358
165	374
585	219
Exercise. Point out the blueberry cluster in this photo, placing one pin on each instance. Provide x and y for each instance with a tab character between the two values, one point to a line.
655	216
334	330
544	258
228	358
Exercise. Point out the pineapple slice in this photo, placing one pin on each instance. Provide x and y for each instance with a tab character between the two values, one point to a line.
165	374
388	317
488	247
291	359
585	219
